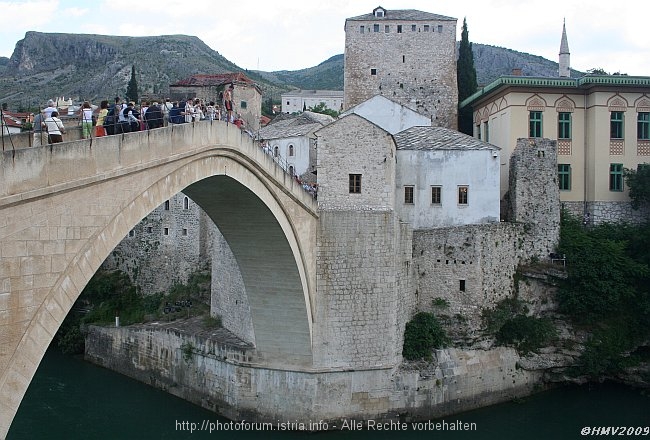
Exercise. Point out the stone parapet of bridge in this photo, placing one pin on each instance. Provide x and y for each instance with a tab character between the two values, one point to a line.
63	208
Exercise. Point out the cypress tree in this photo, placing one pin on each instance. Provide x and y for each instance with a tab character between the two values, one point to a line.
467	85
132	87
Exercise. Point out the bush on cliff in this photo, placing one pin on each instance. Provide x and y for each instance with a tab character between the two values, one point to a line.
422	334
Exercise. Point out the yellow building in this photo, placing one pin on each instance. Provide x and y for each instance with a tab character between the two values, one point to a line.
601	124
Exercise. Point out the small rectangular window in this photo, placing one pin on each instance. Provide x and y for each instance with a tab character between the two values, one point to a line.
564	176
184	231
426	28
149	229
534	125
375	28
165	231
440	28
564	125
436	195
373	71
413	28
643	126
463	195
478	131
131	233
616	125
399	28
486	131
403	58
462	285
387	28
166	205
243	104
361	29
616	177
408	195
355	183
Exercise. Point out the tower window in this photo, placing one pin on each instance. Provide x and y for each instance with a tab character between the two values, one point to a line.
290	150
186	203
355	183
166	205
166	231
462	285
403	58
184	232
399	28
373	71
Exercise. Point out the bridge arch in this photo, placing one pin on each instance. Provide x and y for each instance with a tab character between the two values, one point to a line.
268	225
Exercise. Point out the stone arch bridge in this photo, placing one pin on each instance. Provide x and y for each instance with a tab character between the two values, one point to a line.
63	208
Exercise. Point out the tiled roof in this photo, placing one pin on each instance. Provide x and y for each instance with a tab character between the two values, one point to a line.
438	138
403	14
285	126
214	80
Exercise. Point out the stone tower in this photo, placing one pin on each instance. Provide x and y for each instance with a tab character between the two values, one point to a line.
565	56
406	55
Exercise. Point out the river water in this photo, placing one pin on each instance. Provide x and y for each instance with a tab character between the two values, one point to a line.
72	399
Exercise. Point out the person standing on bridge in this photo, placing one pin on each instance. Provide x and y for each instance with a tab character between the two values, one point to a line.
103	112
55	128
86	114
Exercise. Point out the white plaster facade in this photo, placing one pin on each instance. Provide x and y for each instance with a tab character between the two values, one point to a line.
296	101
445	178
389	115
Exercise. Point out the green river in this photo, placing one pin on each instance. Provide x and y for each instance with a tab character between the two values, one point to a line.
73	399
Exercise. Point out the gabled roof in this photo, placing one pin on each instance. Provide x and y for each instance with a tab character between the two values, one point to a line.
402	14
438	138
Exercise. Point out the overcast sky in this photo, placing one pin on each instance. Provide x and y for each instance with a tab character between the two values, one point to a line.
297	34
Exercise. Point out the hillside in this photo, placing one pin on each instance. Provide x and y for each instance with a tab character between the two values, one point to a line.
98	67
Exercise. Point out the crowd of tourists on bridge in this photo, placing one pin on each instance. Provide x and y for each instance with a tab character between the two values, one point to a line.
125	117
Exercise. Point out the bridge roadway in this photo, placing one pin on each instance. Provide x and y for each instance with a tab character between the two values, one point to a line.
63	208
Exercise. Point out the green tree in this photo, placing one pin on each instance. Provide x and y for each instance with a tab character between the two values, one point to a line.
638	181
422	334
132	87
323	109
467	85
597	71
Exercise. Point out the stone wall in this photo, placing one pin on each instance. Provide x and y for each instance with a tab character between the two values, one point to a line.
608	212
415	68
168	245
534	193
471	267
362	267
352	145
222	377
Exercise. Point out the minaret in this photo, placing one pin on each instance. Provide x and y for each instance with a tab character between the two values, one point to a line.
564	54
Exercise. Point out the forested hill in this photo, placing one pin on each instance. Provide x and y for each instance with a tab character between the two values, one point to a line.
81	66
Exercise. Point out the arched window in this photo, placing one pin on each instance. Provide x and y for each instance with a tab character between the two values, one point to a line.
291	170
186	203
290	150
276	151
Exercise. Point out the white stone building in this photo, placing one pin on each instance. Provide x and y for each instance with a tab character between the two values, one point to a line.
389	115
297	101
445	178
291	140
430	176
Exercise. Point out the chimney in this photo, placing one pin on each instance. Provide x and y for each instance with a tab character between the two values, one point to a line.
516	71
